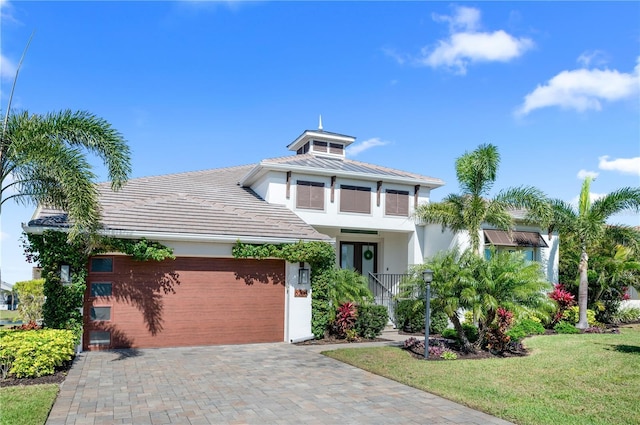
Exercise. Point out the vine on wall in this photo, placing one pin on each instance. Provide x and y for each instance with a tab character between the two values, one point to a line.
320	256
51	249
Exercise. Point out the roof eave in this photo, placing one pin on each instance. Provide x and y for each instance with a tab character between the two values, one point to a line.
181	237
253	175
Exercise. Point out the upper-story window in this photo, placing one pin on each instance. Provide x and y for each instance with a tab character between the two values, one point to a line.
355	199
397	203
303	149
319	146
336	148
309	195
101	265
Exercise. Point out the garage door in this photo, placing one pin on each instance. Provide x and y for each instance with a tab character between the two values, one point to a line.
183	302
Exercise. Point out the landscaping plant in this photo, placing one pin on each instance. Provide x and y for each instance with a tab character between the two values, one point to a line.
371	320
31	296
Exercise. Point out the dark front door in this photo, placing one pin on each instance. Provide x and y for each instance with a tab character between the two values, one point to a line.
359	256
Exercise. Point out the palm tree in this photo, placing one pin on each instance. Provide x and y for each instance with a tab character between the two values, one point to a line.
43	161
467	211
587	224
506	280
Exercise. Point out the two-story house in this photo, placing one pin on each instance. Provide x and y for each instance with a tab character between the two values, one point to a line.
206	296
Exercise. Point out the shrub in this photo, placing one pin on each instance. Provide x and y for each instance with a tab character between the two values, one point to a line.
439	322
524	328
29	354
626	315
31	296
572	315
563	298
371	320
563	327
410	315
468	317
345	319
448	355
470	331
496	337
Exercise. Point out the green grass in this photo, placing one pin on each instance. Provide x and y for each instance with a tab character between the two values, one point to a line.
567	379
8	314
26	405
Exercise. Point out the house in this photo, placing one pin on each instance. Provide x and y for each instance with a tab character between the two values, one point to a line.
206	296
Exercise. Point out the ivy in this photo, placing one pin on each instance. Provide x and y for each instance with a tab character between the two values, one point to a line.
52	249
320	256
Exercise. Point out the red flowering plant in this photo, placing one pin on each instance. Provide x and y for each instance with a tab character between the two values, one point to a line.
563	298
496	338
345	319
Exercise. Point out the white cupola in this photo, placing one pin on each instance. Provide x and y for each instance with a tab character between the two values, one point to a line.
321	143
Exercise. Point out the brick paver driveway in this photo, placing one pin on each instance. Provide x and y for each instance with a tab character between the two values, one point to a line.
254	384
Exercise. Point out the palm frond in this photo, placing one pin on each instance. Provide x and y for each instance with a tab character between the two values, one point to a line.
624	199
477	170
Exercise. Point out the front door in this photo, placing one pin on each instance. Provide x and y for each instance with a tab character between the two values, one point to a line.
359	256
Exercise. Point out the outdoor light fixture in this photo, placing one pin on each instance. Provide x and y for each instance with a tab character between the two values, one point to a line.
427	277
65	274
303	275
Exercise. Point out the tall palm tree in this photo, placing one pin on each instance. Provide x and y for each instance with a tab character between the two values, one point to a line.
587	223
43	161
477	172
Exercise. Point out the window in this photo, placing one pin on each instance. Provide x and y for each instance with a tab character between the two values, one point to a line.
336	148
304	149
310	195
101	289
529	253
102	265
319	146
355	199
65	274
100	313
397	203
100	338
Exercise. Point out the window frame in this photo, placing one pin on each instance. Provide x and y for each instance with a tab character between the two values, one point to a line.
94	295
357	192
91	264
319	193
397	196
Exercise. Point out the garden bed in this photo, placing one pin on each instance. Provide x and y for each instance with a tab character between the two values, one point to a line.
57	378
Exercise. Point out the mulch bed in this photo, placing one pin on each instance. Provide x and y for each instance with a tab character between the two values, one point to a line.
57	378
333	340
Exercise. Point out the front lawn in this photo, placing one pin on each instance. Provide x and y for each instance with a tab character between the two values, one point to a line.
567	379
26	405
8	314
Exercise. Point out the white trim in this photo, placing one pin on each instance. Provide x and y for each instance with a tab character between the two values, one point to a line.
263	167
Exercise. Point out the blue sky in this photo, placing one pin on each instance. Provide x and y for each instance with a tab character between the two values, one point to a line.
199	85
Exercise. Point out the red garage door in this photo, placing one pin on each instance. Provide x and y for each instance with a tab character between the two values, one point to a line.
183	302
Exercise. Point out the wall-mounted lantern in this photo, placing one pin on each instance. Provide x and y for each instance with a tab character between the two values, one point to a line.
65	274
303	275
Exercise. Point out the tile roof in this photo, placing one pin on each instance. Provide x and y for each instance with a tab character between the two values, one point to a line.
203	203
314	161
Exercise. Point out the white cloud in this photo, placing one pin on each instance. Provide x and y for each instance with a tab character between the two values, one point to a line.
7	68
583	174
465	45
357	149
622	165
575	202
597	57
398	57
583	89
465	18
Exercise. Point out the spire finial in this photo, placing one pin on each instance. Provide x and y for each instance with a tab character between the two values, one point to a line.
320	123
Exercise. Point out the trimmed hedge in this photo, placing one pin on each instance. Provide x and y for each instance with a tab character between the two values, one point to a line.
371	320
34	353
